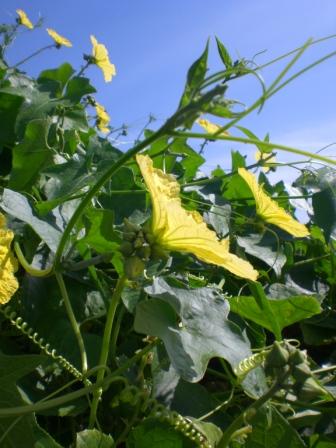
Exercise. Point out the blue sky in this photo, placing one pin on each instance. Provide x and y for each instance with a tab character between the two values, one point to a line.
152	43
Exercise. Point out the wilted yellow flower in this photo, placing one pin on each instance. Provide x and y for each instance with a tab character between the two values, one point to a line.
23	19
101	58
262	156
59	40
8	264
211	128
103	118
269	210
177	229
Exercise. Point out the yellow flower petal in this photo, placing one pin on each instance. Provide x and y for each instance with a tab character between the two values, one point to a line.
103	118
23	19
60	40
8	264
269	210
211	128
101	57
262	156
177	229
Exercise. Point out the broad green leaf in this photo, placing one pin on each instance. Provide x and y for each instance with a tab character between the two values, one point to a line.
324	205
195	76
74	118
54	80
31	156
284	312
266	248
68	178
25	432
204	331
99	230
153	433
9	107
223	53
92	438
271	430
18	206
77	88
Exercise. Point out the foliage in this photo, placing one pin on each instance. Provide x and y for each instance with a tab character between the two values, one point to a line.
122	334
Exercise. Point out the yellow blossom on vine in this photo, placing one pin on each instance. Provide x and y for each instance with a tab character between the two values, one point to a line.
103	118
23	19
59	40
269	210
101	59
177	229
8	264
264	156
210	128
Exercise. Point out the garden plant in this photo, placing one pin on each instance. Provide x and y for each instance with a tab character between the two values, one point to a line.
143	302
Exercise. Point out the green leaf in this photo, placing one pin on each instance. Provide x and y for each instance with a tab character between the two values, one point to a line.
77	88
271	430
223	53
31	156
324	205
92	438
54	80
195	76
18	206
320	330
25	431
99	230
191	160
204	331
278	313
219	218
153	434
9	107
266	248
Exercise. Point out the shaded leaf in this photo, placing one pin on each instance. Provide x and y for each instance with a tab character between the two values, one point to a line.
265	247
324	205
9	107
271	430
54	80
25	432
77	88
31	156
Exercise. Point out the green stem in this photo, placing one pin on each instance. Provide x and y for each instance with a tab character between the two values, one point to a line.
249	413
33	55
73	320
28	267
106	346
253	141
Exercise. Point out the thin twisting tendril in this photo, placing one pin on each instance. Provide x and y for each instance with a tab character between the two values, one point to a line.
248	364
24	327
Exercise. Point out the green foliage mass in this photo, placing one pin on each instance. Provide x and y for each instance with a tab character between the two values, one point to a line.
109	340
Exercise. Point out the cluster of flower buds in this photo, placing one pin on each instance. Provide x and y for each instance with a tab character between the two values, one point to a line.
288	362
135	248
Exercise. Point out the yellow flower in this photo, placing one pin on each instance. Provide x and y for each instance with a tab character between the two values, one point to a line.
211	128
262	156
101	58
103	118
8	264
177	229
269	210
23	19
59	40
